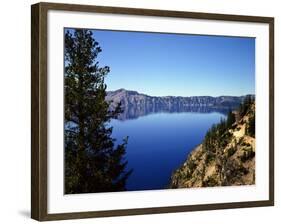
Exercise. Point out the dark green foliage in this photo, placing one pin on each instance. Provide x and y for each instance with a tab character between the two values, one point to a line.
191	165
216	137
230	119
250	129
242	170
188	174
210	182
231	151
233	172
210	157
92	161
241	141
216	141
245	106
245	144
248	154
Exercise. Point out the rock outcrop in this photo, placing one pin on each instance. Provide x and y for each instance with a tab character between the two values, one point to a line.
136	104
224	158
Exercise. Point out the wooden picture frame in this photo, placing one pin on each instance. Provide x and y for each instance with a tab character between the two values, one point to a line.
39	110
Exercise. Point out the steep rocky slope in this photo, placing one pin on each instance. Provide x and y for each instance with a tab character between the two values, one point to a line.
226	157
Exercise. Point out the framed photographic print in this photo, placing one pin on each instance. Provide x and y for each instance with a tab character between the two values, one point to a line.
140	111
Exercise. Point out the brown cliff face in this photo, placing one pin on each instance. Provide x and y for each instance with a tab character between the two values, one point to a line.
136	104
224	159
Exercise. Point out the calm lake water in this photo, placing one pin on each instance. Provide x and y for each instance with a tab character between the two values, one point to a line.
159	143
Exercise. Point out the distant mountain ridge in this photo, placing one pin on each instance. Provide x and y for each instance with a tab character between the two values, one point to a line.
137	104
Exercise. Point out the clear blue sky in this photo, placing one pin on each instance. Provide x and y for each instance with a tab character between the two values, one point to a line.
178	65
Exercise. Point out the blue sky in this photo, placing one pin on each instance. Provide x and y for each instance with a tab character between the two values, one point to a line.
178	65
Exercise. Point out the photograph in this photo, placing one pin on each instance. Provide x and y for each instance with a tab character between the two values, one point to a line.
157	111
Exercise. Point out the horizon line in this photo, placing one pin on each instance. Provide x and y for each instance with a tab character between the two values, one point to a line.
253	94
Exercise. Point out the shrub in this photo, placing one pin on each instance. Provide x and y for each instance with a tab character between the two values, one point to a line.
240	142
247	154
230	119
210	157
245	144
210	182
251	126
191	165
231	151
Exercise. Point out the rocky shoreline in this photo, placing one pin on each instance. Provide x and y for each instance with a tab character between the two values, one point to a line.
228	162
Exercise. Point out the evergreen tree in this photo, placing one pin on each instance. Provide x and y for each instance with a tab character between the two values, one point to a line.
92	161
250	130
230	119
245	105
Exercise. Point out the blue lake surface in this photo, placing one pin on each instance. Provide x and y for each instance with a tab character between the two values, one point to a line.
159	143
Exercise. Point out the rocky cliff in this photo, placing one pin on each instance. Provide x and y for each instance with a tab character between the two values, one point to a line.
136	104
226	157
